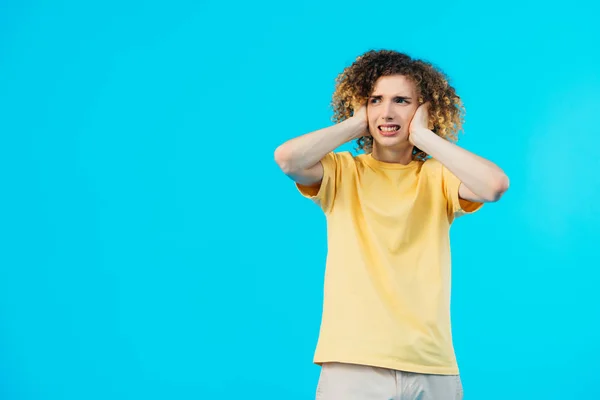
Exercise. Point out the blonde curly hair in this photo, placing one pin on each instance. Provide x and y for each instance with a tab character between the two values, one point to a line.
356	83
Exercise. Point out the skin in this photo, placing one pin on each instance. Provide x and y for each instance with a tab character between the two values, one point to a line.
393	102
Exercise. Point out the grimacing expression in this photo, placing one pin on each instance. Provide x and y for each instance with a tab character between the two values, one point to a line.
390	109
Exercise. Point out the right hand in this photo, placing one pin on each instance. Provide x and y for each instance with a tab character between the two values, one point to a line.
359	116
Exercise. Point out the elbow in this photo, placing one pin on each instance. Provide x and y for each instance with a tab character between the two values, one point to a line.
500	186
282	158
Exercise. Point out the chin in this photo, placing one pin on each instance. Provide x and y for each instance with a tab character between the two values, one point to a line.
391	141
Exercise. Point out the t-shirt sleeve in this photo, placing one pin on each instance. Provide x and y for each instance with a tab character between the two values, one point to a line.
324	194
457	207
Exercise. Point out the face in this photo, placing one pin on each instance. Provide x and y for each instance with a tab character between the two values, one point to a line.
390	109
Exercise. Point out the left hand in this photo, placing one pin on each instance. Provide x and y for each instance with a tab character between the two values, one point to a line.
420	120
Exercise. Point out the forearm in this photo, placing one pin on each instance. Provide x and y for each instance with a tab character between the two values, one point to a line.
307	150
481	176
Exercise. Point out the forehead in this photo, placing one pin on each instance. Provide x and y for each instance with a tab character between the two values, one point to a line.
394	85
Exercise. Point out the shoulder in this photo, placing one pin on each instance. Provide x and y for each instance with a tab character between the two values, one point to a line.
432	163
432	167
346	156
342	159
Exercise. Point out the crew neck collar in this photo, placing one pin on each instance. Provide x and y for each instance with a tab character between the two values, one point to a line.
388	165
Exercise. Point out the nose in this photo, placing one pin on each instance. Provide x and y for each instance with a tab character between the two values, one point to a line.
387	111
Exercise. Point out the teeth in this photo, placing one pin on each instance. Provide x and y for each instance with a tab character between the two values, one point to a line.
389	129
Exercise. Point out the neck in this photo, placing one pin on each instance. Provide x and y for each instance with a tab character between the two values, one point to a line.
398	155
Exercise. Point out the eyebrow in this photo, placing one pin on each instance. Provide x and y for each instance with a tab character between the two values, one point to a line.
378	96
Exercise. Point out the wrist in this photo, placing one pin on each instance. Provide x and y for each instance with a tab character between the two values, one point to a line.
418	137
355	127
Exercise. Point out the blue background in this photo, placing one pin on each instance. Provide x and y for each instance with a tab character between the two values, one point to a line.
150	248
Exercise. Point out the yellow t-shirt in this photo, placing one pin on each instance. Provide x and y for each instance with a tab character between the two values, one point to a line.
387	278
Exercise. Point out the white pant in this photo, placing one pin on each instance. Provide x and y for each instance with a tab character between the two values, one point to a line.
340	381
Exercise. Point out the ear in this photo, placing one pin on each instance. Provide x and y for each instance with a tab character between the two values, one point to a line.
427	109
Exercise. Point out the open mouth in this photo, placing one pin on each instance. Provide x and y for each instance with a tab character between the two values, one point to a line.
388	130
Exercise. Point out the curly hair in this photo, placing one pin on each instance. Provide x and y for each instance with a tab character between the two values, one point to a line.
356	83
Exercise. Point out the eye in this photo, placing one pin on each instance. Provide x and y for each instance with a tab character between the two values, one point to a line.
373	100
401	100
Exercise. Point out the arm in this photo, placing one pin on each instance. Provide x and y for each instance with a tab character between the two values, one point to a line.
299	158
481	180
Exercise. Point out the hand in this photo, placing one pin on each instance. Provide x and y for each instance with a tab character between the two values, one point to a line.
359	117
420	121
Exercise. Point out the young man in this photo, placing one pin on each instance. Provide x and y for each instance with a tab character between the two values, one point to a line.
385	330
